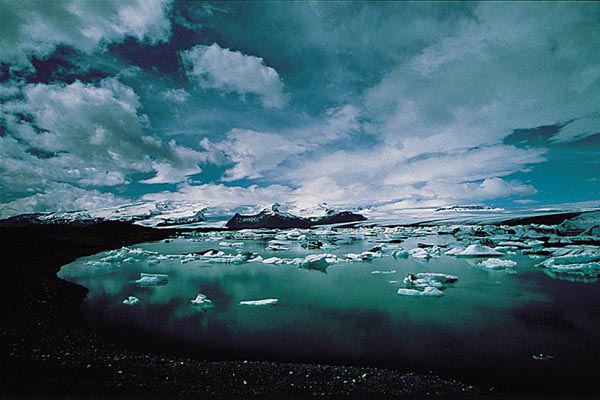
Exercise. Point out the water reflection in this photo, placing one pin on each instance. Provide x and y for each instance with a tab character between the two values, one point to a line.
489	322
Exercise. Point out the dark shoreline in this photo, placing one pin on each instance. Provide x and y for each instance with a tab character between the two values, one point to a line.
50	351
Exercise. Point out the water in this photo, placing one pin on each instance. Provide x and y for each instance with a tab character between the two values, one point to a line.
484	330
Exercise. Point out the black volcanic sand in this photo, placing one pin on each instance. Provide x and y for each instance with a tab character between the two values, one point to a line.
47	349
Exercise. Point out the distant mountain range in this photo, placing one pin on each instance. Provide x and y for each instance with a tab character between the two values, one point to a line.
273	217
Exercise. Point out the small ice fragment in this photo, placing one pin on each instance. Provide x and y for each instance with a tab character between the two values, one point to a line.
131	301
272	260
442	278
201	300
542	357
494	263
152	279
476	250
428	291
318	261
264	302
400	253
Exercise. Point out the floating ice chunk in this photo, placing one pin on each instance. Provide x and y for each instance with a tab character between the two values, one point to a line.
400	253
512	243
494	263
152	279
257	259
455	250
542	357
418	252
201	300
364	256
590	266
572	259
231	244
212	253
278	245
443	278
476	250
392	272
98	264
264	302
272	260
427	291
318	261
131	301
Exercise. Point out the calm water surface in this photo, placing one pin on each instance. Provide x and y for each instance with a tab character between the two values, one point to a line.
484	330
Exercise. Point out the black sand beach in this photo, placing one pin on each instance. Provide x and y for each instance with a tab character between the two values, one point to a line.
48	350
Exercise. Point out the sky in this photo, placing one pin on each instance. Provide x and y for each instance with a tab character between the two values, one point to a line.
388	104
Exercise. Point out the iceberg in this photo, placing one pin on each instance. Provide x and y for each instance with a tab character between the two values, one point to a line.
443	278
264	302
152	279
494	263
318	261
400	253
476	250
131	301
201	300
427	291
272	260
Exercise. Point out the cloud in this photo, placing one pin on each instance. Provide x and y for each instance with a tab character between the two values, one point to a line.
36	29
261	154
60	197
178	96
577	130
253	153
84	134
227	71
222	196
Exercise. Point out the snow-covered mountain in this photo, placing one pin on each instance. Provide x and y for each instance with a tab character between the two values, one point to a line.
171	213
274	217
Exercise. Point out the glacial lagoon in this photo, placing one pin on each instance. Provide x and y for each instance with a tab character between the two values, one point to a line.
506	324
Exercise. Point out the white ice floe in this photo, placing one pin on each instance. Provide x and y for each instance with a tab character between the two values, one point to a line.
581	267
264	302
392	272
131	301
477	250
201	300
257	259
400	253
277	245
428	291
495	263
152	279
272	260
443	278
425	252
455	250
231	244
318	260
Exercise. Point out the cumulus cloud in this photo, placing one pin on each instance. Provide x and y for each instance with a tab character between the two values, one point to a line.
261	154
60	197
179	96
227	71
84	134
36	29
252	152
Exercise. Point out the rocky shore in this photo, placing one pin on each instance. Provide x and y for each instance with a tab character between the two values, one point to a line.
50	351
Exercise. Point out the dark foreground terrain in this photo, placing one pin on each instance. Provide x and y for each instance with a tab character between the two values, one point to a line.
47	349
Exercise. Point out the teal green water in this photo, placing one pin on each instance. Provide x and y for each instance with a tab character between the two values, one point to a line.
485	328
